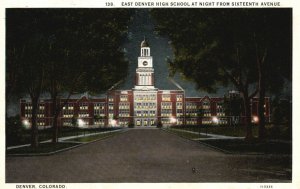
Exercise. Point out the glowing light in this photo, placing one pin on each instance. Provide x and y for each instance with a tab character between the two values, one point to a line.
255	119
173	120
81	123
26	124
113	122
215	120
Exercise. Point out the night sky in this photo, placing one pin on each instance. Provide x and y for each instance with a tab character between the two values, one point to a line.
143	25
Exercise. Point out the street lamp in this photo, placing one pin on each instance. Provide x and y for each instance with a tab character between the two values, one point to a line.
215	120
113	122
26	124
255	119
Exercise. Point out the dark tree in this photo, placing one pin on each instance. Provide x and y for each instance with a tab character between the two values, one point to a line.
216	46
64	51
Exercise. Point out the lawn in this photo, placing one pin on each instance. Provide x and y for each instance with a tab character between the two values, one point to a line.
255	146
235	131
94	137
24	136
188	135
43	148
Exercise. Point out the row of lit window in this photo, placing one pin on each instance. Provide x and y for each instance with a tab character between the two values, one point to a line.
29	107
100	114
124	106
99	107
68	108
166	97
66	112
145	114
83	115
179	105
221	114
68	115
191	122
191	114
40	123
149	97
38	115
99	122
206	122
145	107
123	123
83	107
179	98
123	98
191	106
179	114
165	121
166	114
166	105
124	114
206	107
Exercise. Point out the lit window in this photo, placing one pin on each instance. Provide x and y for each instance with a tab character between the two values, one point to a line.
179	98
166	98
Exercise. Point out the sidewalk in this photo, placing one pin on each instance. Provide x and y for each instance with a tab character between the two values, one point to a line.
212	136
61	139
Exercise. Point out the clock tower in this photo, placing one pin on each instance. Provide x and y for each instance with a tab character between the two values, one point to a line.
145	71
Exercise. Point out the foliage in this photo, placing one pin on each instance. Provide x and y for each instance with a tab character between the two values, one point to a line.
232	106
159	125
215	47
14	131
64	51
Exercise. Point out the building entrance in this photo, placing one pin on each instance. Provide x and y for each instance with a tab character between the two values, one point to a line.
144	122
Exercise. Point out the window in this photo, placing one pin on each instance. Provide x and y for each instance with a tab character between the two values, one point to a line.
179	105
166	112
67	122
124	113
191	121
99	122
206	113
99	109
206	121
41	122
166	105
110	106
179	112
68	111
206	104
124	105
179	98
166	97
83	106
123	98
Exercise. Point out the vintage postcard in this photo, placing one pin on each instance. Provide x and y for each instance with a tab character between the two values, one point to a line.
166	94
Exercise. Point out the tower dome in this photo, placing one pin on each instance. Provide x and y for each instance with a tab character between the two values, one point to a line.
144	43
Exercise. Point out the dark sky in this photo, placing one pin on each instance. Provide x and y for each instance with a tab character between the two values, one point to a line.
143	25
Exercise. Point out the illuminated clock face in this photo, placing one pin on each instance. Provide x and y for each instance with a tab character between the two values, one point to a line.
145	63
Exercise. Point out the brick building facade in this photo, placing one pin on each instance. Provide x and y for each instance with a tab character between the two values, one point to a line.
143	105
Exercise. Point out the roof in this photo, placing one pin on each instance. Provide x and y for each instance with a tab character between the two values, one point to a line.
144	43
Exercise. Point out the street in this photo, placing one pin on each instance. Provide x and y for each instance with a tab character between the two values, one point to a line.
146	155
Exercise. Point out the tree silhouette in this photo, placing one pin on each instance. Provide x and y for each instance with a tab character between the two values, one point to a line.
214	47
64	51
